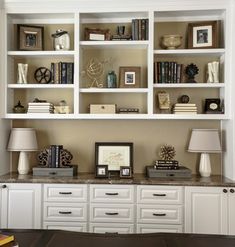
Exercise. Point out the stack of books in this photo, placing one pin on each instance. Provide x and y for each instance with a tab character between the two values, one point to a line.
185	108
166	164
40	107
4	239
140	29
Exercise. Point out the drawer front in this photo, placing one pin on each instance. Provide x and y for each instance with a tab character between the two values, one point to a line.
67	226
112	193
165	214
148	228
110	228
65	211
65	193
159	194
111	213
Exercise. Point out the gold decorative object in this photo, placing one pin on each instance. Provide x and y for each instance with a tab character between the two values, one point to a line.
171	41
167	152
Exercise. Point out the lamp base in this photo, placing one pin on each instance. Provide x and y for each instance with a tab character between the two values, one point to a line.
23	163
205	165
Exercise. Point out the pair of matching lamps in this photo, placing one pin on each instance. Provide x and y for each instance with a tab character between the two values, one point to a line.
23	140
204	141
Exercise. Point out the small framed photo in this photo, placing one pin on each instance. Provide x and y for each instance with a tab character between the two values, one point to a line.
96	34
203	35
125	172
30	38
213	106
102	171
129	77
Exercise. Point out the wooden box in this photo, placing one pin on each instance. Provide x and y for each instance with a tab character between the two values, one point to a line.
102	109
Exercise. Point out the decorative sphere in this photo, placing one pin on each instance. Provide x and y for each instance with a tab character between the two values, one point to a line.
184	98
171	41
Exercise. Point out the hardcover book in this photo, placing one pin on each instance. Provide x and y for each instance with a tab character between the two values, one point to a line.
4	239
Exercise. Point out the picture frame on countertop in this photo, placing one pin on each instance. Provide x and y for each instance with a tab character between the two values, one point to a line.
30	38
129	77
125	172
101	171
114	154
203	35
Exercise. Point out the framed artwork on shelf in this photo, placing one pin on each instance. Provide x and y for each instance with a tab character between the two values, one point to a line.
114	154
129	77
101	171
203	35
125	172
30	38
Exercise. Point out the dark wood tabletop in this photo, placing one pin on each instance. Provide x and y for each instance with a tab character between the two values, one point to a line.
58	238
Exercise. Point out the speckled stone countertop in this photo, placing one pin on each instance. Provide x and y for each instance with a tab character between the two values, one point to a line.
89	178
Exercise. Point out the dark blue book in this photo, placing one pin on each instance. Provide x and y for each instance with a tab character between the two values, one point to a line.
70	72
63	73
58	149
52	162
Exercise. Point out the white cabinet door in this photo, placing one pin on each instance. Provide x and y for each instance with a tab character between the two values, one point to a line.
21	206
205	210
231	211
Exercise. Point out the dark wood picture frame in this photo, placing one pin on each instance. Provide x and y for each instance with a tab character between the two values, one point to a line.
213	106
129	77
203	35
125	172
102	171
114	154
30	38
104	34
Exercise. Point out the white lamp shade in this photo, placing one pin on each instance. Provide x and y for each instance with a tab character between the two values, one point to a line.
204	141
22	139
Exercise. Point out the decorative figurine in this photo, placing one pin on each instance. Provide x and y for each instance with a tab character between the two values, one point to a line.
213	72
61	40
191	70
167	152
19	108
42	75
22	73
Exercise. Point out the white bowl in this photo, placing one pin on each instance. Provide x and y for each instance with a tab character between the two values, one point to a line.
171	41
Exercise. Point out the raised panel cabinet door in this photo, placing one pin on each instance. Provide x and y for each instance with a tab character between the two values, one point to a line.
21	206
231	211
206	210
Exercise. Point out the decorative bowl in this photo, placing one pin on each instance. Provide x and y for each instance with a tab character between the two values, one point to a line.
171	41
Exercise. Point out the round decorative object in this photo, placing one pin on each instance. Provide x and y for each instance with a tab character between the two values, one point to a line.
167	152
42	75
184	99
171	41
191	70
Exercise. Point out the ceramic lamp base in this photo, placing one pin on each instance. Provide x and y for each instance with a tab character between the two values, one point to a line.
205	165
23	163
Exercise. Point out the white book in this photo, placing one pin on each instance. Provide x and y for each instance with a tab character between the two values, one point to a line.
185	113
185	104
185	108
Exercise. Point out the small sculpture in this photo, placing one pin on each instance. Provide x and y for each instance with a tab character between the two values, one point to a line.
22	73
167	152
95	70
213	72
191	70
61	40
19	108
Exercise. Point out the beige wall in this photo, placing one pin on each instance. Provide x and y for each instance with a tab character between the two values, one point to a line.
79	137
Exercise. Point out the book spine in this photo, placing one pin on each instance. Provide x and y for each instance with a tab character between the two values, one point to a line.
163	72
63	73
133	29
139	29
169	167
70	68
143	29
147	29
178	73
136	29
175	162
56	73
58	148
155	73
52	73
59	72
53	156
174	72
159	71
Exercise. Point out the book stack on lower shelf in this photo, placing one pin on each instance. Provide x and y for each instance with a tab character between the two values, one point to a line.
40	107
185	108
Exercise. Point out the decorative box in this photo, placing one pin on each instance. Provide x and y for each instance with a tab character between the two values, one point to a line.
182	172
102	109
55	172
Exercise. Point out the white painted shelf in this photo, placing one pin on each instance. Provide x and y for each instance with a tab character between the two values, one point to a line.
114	90
188	85
39	54
40	86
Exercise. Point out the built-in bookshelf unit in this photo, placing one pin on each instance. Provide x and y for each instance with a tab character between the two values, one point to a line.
96	48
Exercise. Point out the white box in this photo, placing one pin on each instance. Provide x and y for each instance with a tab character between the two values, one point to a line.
102	109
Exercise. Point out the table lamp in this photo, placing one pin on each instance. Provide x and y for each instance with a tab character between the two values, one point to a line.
23	140
204	141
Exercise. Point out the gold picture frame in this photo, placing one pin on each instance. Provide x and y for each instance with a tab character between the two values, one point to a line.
129	77
30	38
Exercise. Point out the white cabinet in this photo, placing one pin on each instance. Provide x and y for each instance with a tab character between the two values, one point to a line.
159	208
210	210
21	206
65	207
112	208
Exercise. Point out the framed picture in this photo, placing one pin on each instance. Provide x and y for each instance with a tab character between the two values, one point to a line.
125	172
30	38
114	154
102	171
213	105
97	34
129	77
203	35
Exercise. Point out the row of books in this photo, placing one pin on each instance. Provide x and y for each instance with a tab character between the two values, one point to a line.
40	107
140	29
54	156
166	164
168	72
62	73
185	108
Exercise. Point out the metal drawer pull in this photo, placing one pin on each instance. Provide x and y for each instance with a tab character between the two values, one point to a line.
159	194
65	212
65	193
111	213
159	214
111	194
111	232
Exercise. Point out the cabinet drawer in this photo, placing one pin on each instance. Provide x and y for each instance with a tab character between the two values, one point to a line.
65	211
151	228
159	194
165	214
112	193
110	228
67	226
65	193
111	213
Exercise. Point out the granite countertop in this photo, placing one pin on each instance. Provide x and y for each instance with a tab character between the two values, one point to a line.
141	179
